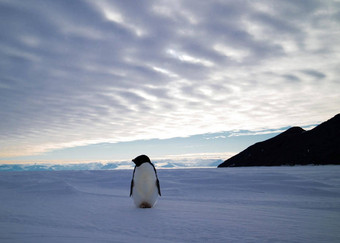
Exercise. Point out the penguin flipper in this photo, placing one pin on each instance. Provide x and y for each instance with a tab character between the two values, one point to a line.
132	183
157	181
131	187
158	187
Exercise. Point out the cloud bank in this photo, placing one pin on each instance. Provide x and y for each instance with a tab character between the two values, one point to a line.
84	72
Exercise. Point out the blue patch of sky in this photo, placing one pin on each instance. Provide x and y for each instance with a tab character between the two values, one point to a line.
204	143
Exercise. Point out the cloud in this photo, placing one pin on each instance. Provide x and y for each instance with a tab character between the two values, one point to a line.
314	73
84	72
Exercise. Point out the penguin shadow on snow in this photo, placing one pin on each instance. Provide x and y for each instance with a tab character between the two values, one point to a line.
145	187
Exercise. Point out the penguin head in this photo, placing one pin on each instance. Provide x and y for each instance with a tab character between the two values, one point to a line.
141	159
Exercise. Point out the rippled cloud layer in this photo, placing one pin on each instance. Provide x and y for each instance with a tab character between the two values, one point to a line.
75	73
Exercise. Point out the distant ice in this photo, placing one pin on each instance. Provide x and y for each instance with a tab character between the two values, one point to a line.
161	163
257	204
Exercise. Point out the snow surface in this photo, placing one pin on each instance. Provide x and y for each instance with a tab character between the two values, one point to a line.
257	204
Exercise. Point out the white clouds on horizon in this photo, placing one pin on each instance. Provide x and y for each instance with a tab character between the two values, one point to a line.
83	72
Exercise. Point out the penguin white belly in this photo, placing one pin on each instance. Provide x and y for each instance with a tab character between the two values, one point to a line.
145	191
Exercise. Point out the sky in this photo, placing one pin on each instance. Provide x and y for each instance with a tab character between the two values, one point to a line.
100	80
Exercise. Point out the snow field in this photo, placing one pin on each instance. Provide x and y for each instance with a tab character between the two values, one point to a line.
256	204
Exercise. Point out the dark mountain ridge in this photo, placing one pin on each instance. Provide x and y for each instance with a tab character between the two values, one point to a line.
295	146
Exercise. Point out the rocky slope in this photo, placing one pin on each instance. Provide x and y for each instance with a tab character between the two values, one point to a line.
318	146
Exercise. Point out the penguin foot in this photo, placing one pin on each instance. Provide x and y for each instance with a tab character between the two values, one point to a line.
145	205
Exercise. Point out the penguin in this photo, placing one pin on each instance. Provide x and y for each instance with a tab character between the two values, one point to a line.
144	184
